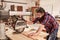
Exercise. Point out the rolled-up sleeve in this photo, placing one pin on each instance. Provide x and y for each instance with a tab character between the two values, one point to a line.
34	21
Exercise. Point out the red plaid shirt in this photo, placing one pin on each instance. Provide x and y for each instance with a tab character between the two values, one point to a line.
49	22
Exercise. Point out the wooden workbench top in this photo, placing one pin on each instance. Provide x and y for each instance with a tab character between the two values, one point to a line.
23	36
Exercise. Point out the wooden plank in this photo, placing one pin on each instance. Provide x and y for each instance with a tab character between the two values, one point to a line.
31	29
12	36
38	37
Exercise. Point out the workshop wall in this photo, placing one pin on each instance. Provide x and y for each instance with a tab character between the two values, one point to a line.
25	6
51	6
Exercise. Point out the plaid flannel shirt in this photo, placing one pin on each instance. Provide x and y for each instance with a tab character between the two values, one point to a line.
49	22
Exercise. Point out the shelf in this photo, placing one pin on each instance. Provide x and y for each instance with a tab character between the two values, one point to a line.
19	13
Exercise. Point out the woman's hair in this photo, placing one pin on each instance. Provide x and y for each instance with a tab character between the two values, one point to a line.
40	10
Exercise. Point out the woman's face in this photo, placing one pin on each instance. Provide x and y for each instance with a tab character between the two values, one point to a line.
39	15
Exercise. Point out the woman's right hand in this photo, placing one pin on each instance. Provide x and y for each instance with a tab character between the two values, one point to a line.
29	22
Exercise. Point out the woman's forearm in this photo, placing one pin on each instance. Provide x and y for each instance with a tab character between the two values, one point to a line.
40	29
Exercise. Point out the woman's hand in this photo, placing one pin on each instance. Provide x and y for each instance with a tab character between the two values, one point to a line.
33	34
29	22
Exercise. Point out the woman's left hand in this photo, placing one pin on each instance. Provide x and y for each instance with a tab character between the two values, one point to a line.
33	34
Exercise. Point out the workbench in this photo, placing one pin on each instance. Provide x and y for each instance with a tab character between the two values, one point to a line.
23	35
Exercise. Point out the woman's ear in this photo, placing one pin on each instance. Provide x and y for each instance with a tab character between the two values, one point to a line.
42	13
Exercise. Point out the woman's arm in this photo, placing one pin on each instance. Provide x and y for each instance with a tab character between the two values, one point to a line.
40	29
